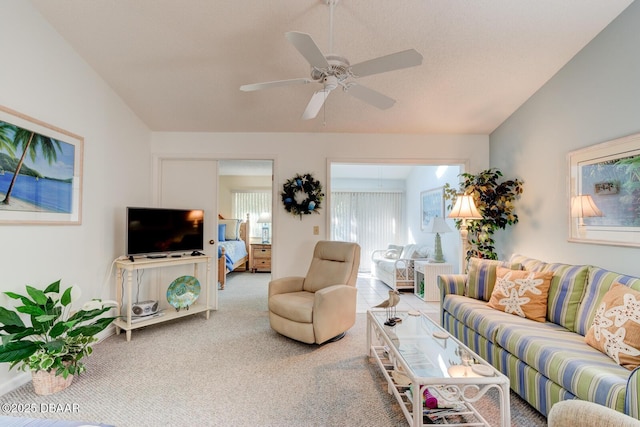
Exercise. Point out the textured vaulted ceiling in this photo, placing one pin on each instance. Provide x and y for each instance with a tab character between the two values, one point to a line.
179	64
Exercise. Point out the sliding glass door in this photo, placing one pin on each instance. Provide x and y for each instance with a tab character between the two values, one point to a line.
372	219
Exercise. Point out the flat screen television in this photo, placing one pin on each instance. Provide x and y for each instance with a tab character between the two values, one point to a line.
157	231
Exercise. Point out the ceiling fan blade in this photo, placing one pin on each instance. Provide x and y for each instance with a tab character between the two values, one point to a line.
370	96
308	48
277	83
315	104
394	61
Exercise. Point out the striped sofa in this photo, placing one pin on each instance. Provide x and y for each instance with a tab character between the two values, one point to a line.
546	362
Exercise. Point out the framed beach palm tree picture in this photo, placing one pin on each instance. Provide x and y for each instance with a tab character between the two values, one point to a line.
40	172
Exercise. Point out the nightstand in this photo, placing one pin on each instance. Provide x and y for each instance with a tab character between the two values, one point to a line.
261	257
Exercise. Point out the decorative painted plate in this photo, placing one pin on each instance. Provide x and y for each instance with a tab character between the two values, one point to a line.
183	292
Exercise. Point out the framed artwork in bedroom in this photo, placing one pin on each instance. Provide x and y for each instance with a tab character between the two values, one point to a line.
604	193
40	172
431	205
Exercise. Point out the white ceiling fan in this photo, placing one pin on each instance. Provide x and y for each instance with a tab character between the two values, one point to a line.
332	71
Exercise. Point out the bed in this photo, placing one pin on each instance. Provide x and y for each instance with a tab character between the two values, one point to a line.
233	247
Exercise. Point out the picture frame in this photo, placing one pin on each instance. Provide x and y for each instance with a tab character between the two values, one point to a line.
40	172
610	173
431	205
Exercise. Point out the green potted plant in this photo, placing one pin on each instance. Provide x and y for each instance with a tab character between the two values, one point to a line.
53	345
495	202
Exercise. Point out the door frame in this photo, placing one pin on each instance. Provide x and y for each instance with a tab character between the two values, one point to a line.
156	184
462	163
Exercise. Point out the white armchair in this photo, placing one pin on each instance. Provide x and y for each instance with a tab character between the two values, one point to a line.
394	265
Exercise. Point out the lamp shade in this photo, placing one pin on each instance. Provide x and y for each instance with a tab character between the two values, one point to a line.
583	206
437	225
465	208
264	217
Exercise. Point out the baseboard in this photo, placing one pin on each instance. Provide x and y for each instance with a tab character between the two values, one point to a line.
15	382
24	377
111	330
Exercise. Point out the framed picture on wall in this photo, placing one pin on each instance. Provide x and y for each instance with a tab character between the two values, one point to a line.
431	205
604	193
40	172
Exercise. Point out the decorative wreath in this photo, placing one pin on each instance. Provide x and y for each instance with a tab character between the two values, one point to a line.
304	184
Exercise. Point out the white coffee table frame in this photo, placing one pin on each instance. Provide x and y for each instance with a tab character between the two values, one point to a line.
462	390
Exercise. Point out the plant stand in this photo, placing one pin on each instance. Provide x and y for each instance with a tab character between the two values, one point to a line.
47	382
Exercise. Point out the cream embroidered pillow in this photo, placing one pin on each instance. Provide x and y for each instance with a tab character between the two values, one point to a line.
520	292
615	330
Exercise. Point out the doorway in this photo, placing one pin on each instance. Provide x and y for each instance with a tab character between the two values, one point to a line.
210	184
379	204
245	191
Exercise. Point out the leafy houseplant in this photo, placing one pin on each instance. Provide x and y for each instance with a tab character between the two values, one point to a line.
57	340
494	201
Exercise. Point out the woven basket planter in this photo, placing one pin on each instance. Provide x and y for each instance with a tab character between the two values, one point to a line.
47	382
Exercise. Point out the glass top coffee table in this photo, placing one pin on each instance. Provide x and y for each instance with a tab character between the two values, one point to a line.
421	362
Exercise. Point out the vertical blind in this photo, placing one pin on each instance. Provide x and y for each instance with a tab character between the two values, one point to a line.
253	203
373	220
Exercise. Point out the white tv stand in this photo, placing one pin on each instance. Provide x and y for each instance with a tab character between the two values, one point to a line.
201	305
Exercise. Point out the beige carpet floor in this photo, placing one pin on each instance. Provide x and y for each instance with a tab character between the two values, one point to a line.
233	370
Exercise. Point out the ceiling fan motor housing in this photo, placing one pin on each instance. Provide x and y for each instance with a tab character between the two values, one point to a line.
330	82
338	68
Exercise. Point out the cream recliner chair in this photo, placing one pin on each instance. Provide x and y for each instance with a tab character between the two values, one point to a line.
322	305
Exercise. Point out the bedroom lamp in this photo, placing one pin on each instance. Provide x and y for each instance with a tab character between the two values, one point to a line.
464	209
265	220
438	225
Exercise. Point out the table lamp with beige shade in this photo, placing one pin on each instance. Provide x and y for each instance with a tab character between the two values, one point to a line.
464	209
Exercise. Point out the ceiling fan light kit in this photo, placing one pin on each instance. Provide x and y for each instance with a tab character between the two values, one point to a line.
332	71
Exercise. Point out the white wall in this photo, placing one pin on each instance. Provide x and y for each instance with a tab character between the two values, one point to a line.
594	98
293	239
43	78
